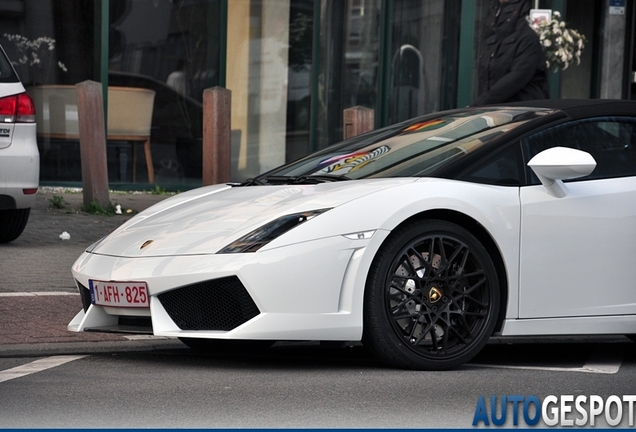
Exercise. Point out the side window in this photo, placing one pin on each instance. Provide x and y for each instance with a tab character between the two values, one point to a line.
610	140
6	71
504	168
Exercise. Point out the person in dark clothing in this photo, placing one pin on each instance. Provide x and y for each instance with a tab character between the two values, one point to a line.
512	66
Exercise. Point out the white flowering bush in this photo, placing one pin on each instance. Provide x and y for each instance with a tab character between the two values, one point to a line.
34	57
562	46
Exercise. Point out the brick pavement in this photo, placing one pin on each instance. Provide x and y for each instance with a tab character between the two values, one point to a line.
37	295
42	319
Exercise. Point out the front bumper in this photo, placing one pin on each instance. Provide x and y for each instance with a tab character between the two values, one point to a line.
306	291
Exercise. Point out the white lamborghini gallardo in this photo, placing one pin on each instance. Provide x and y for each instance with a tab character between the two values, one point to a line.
422	240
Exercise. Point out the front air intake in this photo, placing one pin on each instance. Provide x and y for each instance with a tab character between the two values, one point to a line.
218	304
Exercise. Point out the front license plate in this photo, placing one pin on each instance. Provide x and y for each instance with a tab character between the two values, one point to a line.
119	294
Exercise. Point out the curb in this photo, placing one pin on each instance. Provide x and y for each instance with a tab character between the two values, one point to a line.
78	348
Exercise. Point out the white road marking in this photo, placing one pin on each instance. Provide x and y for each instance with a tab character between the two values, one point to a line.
597	364
37	294
584	369
146	337
603	364
36	366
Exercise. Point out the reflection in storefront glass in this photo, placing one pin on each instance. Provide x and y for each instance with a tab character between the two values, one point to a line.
349	62
422	60
301	28
172	48
52	45
424	55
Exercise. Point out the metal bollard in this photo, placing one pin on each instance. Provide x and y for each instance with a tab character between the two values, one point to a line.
217	107
92	134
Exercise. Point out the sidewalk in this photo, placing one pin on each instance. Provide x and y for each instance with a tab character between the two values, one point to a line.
37	295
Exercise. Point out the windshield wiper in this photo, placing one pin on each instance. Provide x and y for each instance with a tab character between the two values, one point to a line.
304	179
252	181
293	180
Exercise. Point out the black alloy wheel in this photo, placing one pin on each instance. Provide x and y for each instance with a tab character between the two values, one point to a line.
432	297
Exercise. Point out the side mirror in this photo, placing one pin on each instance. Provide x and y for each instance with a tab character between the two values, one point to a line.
556	164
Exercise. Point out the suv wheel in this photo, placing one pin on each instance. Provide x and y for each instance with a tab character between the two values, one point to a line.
12	223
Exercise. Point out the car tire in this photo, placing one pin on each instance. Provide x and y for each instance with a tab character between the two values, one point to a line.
432	297
12	223
226	346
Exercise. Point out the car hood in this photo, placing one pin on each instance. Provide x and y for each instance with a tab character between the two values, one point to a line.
207	219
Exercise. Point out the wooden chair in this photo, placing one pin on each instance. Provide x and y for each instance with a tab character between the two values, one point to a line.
129	117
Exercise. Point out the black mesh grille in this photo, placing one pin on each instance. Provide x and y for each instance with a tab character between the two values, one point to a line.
135	321
219	304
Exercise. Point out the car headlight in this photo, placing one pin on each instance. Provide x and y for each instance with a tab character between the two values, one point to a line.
258	238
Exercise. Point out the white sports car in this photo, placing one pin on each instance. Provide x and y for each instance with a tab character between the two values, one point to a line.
421	240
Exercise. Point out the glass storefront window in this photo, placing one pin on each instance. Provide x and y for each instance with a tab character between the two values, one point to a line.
424	54
293	67
49	42
299	87
52	46
269	71
421	49
349	62
172	48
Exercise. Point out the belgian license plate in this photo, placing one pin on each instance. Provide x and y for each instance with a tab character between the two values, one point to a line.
119	294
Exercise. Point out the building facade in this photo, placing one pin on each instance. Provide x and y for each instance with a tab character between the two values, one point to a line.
292	66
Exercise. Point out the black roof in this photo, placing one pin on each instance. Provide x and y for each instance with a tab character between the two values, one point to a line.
576	108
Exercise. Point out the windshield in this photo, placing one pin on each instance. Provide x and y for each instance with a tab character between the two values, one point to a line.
415	148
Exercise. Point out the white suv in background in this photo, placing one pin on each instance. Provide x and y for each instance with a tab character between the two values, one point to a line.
19	156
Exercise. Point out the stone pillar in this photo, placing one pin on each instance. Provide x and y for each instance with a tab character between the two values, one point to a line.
613	52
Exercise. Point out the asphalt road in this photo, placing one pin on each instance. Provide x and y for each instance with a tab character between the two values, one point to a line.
298	386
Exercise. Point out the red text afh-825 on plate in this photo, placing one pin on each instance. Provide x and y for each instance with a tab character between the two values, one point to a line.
119	294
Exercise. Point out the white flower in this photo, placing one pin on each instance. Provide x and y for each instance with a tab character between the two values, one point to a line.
560	44
37	53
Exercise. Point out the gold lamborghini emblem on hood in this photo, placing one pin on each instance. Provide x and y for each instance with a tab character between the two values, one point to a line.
146	244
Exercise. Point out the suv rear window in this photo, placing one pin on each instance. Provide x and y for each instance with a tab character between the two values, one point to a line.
7	74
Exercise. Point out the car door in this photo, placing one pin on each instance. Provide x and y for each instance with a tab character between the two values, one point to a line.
578	253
